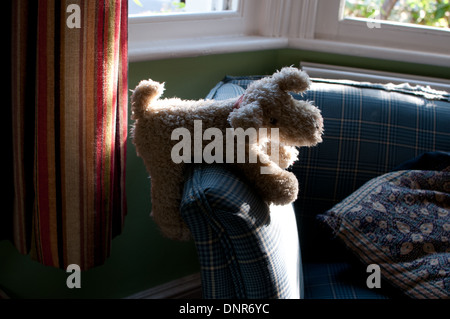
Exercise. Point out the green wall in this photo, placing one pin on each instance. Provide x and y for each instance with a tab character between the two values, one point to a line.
141	258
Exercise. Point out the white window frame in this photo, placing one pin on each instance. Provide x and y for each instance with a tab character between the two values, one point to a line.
193	34
313	25
375	38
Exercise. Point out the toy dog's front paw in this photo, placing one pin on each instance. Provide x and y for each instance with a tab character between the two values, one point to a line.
287	156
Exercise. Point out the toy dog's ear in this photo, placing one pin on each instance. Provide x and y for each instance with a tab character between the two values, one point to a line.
291	79
249	115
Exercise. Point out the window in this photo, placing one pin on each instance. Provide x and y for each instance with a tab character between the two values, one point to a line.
348	27
197	32
384	39
138	8
417	12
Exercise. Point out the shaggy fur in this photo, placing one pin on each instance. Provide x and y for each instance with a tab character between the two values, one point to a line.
265	104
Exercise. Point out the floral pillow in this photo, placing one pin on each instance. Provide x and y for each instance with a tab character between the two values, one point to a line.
401	222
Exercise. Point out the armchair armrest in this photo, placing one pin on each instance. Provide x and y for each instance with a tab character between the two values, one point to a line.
246	249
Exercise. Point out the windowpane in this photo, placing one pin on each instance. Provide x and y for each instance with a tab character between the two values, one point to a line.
419	12
156	7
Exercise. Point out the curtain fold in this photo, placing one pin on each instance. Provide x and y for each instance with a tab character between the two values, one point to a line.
69	128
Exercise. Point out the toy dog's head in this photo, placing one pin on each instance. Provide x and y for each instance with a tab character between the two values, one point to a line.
267	104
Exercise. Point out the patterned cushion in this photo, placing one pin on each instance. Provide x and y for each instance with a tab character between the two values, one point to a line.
245	251
369	129
401	222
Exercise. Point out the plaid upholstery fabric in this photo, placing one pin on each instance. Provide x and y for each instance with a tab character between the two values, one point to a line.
342	280
369	129
223	91
238	244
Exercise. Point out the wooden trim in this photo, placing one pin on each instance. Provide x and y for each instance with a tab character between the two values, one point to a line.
188	287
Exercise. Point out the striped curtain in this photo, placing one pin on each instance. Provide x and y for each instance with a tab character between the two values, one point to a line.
69	128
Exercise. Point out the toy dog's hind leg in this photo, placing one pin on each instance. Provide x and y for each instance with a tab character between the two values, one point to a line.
166	200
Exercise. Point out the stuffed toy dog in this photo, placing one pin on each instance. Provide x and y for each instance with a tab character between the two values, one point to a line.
273	124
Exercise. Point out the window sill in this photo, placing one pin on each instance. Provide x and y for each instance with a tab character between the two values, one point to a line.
371	51
191	47
167	49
